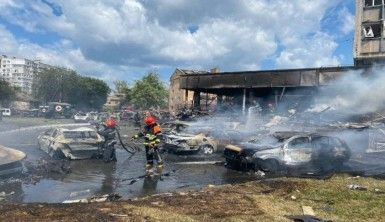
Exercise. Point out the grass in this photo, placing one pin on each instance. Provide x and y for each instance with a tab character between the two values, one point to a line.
270	200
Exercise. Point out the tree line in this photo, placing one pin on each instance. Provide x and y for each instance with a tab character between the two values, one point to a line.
7	93
147	92
65	85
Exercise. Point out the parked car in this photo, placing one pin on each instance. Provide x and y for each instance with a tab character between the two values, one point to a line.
6	112
80	117
80	143
304	153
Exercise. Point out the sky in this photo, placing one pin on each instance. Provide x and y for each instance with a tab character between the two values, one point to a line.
125	39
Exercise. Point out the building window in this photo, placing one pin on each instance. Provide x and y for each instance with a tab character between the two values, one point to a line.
372	31
369	3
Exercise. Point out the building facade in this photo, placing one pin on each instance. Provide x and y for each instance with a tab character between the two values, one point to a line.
182	98
19	72
369	42
178	98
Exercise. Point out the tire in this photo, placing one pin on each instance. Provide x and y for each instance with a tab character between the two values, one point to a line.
270	165
206	149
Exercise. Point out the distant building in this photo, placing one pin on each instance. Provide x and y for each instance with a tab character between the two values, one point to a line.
369	44
114	101
20	72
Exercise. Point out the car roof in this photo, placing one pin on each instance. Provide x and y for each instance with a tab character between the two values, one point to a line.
80	129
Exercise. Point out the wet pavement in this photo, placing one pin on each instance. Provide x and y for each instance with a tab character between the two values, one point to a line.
93	177
125	177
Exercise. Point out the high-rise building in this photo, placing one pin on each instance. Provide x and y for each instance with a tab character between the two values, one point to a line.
369	39
20	72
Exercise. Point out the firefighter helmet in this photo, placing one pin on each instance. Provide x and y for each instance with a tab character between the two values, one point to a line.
110	123
149	120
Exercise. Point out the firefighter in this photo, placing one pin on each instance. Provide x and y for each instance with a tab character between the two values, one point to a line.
108	130
152	136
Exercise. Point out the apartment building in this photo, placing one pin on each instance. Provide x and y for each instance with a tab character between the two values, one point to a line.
20	72
369	42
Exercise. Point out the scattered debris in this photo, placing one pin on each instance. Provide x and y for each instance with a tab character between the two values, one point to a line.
3	194
293	197
260	173
97	199
307	210
118	215
78	193
201	163
306	218
379	191
357	187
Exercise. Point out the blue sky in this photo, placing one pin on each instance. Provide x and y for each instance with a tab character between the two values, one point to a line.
125	39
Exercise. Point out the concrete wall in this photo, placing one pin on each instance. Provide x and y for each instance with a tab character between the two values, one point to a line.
178	98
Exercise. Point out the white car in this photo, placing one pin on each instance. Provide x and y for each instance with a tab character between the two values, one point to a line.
6	112
80	143
81	118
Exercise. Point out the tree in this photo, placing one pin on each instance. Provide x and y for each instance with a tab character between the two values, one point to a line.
122	87
64	85
7	93
149	92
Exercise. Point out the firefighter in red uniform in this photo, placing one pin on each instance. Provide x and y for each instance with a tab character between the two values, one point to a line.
152	136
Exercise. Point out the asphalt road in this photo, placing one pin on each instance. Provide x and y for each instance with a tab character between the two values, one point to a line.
94	177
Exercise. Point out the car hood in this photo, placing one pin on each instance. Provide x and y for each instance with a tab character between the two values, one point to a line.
257	147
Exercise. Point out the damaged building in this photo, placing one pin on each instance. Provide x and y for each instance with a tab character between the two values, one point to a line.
246	88
203	90
369	44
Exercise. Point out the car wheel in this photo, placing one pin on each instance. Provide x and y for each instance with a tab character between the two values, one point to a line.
270	165
207	149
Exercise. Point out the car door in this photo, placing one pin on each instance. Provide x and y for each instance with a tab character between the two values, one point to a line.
298	150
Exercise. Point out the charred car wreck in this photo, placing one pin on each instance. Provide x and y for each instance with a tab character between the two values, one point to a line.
190	144
301	153
178	142
80	143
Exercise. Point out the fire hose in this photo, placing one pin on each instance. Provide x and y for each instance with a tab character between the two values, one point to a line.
130	150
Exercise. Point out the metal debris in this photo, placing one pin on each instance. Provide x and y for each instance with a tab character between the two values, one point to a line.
357	187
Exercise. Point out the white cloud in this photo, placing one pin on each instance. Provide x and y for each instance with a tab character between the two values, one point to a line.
231	34
63	53
347	20
314	52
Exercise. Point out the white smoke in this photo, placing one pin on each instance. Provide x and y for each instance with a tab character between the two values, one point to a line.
357	92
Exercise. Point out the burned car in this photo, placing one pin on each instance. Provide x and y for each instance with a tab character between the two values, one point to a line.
188	143
304	153
175	141
80	143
